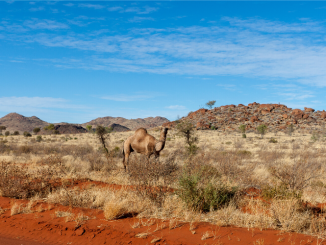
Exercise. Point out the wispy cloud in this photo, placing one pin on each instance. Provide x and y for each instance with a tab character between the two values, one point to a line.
266	49
176	107
69	4
93	6
227	86
126	98
137	10
262	25
37	9
40	102
140	19
45	24
115	8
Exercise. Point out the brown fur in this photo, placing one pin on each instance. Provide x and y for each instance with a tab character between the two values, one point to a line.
144	143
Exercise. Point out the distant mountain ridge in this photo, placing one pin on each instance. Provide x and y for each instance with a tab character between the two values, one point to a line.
17	122
133	124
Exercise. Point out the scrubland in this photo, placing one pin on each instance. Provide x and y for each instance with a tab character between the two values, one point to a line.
276	181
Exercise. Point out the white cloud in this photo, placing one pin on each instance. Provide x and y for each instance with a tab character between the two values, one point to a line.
37	9
140	19
126	98
282	51
45	24
137	10
176	107
93	6
69	4
42	102
31	103
116	8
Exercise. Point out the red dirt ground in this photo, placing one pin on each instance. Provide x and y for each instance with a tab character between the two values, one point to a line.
44	227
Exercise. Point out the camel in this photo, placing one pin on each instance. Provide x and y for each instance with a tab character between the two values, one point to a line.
144	143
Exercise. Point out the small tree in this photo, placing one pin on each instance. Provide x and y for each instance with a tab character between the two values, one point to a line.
27	134
16	133
7	133
186	130
290	129
210	104
89	128
262	129
36	130
242	129
102	135
2	128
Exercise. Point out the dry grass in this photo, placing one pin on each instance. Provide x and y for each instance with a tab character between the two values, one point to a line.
295	163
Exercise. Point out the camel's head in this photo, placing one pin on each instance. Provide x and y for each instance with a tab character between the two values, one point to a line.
165	130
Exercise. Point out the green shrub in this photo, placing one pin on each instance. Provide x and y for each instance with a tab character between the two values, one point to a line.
7	133
272	140
228	142
198	192
244	136
39	138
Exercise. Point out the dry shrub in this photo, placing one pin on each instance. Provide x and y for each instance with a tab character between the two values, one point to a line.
298	175
151	177
72	197
115	210
289	215
270	157
97	161
17	183
125	204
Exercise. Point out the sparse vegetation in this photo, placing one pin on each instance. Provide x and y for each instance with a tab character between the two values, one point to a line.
211	184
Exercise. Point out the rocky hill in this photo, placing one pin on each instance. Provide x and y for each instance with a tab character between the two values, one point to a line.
17	122
118	128
70	129
133	124
275	116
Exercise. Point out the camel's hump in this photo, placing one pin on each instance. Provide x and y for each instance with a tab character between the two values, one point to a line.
141	131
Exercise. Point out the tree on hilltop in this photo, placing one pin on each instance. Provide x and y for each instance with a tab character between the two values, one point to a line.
210	104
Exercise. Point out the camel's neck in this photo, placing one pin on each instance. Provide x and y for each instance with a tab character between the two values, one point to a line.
163	136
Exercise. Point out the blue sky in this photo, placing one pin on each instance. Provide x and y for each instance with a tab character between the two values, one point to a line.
76	61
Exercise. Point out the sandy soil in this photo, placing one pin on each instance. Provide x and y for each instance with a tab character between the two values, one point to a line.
43	226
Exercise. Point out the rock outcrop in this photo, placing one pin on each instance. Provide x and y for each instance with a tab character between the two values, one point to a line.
275	116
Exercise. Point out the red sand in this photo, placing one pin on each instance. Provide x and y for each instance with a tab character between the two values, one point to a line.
44	227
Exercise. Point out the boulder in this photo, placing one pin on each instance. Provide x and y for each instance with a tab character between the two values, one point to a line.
254	119
267	107
306	109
